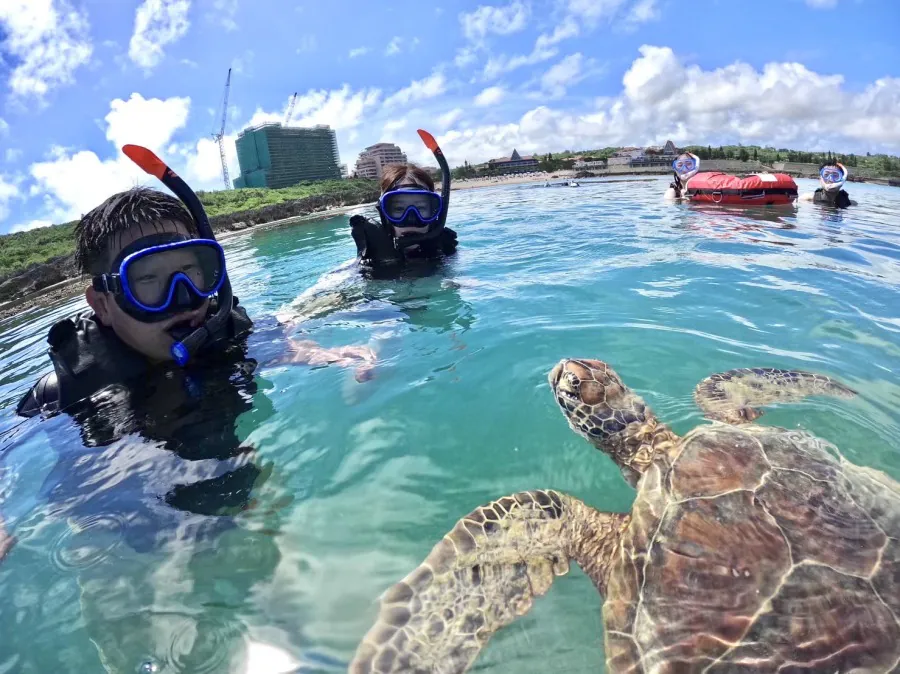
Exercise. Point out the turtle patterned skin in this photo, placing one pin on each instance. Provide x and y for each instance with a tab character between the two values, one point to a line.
747	549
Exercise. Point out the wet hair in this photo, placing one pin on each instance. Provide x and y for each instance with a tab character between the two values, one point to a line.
393	173
139	207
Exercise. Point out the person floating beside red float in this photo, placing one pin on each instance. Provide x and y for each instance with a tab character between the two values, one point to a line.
714	187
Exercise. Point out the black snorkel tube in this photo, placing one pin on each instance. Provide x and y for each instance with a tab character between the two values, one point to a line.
187	343
435	228
432	145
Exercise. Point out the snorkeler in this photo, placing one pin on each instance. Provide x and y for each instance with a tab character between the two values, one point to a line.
412	216
159	293
684	168
832	177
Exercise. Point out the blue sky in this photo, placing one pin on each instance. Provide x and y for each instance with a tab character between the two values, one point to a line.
82	77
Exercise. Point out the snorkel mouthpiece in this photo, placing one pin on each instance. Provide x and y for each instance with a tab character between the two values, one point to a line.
187	342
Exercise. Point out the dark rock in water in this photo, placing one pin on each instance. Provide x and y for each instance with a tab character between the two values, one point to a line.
238	225
37	277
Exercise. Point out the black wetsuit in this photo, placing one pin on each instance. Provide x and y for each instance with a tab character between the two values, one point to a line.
88	357
838	200
170	432
375	246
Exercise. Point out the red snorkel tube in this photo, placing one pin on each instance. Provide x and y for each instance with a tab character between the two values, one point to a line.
186	346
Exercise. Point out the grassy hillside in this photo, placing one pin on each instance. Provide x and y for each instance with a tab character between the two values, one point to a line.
18	251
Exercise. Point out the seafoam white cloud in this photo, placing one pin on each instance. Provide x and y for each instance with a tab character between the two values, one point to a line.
565	73
488	19
148	122
822	4
48	39
341	108
8	191
783	104
490	96
358	51
501	64
428	87
393	47
12	155
4	127
157	23
224	13
449	118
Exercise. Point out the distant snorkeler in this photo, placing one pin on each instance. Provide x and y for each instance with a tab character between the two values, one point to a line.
832	176
412	217
684	168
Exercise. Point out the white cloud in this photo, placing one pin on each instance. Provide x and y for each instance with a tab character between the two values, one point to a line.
359	51
393	47
643	11
500	65
782	104
8	192
49	40
339	108
428	87
4	127
465	56
157	23
224	12
822	4
189	63
448	119
308	43
556	80
565	30
12	155
148	122
243	64
489	96
594	10
488	20
33	224
74	182
394	124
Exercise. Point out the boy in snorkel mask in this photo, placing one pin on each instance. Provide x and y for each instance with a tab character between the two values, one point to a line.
159	293
412	216
832	177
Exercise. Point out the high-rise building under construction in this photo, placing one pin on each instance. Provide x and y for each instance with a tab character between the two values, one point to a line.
274	156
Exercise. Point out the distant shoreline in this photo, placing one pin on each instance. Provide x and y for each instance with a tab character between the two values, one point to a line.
73	286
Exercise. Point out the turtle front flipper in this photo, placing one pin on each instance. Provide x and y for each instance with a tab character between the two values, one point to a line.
483	575
733	396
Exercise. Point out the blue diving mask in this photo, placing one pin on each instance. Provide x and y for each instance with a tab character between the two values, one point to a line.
396	205
161	275
832	177
686	166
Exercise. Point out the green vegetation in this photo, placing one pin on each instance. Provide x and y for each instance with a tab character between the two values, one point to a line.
232	201
18	251
21	249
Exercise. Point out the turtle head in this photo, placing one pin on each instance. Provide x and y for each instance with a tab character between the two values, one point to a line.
611	416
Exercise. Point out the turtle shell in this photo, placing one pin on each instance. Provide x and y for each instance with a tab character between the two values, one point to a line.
757	549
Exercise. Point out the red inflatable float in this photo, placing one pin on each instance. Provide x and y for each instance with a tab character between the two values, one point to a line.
760	189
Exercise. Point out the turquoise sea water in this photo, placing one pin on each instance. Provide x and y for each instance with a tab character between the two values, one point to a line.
363	478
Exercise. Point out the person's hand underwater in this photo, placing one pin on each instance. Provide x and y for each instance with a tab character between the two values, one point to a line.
7	541
307	352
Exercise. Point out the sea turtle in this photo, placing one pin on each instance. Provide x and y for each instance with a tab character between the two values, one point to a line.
747	548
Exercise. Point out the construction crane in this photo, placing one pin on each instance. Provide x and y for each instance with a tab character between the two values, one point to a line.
220	137
287	116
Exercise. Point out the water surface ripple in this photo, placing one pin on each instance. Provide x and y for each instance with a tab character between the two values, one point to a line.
361	479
